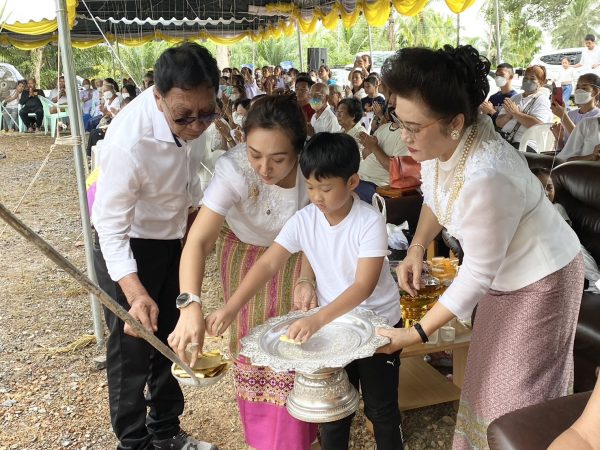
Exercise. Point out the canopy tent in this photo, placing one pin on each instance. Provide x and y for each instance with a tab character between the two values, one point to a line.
134	22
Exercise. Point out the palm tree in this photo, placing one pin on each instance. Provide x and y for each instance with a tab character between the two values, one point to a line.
580	18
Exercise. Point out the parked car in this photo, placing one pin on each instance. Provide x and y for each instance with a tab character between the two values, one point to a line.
551	60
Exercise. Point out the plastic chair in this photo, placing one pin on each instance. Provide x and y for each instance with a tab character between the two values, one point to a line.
50	119
22	127
541	135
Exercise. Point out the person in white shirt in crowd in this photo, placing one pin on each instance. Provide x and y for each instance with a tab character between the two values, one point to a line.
278	73
377	150
586	96
336	94
250	85
356	90
58	96
584	142
291	81
324	118
522	111
146	187
522	264
10	112
256	188
590	57
566	79
349	115
111	102
86	95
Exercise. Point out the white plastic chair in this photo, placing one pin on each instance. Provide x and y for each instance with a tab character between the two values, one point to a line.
541	135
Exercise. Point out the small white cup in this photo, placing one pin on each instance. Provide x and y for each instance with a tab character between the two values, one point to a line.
447	334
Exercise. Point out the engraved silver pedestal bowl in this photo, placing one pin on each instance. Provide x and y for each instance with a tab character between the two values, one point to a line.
322	392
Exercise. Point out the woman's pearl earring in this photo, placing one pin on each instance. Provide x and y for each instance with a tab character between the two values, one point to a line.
455	135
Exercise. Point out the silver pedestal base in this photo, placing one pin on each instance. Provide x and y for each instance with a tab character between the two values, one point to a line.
321	397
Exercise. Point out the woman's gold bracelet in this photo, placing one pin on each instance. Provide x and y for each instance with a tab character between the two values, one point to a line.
417	245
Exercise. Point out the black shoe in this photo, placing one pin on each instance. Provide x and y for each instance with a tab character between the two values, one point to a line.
182	441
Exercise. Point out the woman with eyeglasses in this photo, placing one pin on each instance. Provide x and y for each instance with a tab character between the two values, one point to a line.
257	186
522	265
524	110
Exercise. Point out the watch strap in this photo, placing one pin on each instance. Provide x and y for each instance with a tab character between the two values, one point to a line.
421	332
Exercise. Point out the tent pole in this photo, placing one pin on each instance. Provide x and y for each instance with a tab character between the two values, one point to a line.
64	40
457	30
300	47
498	51
370	45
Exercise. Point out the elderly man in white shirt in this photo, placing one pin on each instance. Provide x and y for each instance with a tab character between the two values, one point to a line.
324	118
147	184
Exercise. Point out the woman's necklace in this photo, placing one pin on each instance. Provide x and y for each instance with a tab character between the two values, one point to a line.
457	181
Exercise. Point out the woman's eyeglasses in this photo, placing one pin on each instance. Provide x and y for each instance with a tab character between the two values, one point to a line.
414	130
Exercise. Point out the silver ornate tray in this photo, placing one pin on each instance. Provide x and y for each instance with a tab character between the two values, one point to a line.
349	337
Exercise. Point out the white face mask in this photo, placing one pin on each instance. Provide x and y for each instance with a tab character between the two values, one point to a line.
86	86
234	97
582	96
125	95
500	81
107	95
313	78
238	119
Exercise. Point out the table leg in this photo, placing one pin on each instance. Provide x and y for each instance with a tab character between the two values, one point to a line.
459	362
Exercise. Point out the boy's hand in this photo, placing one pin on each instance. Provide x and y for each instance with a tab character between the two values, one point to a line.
305	297
302	330
218	321
399	338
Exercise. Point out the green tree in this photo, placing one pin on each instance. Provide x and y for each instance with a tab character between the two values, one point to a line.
580	18
525	41
427	29
138	60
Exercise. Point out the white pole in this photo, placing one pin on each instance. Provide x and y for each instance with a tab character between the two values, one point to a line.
300	47
64	40
370	45
498	51
457	30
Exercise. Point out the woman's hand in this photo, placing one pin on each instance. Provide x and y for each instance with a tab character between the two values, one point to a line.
369	143
557	131
409	271
301	330
511	107
378	110
305	297
558	110
218	321
399	338
189	331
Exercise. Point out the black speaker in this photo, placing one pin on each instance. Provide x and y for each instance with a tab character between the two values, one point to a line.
316	58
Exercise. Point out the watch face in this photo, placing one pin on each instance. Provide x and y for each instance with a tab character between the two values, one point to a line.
182	300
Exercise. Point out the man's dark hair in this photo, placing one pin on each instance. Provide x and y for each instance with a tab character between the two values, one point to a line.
590	37
353	107
280	112
245	102
186	66
539	171
330	155
304	78
506	66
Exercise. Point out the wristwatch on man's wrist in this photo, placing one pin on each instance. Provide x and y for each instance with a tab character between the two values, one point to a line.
185	299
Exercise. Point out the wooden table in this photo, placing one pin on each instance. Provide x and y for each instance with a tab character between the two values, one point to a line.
422	385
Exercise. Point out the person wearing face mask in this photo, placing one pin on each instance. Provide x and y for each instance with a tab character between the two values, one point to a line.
129	92
324	118
586	94
532	107
503	79
85	96
110	101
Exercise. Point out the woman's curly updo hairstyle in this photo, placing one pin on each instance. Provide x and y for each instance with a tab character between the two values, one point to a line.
449	81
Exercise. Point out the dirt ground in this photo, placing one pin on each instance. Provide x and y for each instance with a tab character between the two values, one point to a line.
51	399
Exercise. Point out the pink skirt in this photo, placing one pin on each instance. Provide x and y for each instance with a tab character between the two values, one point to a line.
521	352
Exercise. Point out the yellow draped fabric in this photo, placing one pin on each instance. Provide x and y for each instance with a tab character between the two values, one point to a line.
43	26
376	13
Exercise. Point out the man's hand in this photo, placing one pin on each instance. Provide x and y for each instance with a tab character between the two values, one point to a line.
145	311
302	330
487	108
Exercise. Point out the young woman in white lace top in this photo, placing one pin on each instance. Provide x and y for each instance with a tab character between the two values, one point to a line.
522	265
257	186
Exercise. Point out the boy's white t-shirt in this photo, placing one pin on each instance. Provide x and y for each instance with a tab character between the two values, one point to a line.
333	253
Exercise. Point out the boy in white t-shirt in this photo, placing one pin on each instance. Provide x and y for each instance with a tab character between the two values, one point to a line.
345	241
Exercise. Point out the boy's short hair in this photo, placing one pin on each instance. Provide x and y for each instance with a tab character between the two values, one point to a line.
590	37
373	80
506	66
330	155
538	171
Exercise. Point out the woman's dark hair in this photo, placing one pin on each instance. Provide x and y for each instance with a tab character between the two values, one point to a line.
186	66
237	79
113	82
131	90
329	155
539	171
245	102
241	89
278	112
449	81
353	107
591	78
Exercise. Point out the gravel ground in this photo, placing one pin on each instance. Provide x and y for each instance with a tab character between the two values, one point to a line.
54	400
